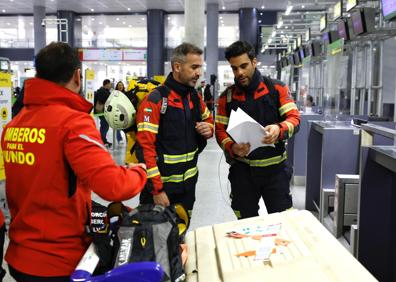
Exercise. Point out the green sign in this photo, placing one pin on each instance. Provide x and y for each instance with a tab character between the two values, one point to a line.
335	47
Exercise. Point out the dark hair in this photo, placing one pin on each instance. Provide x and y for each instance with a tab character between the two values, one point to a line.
309	98
181	51
57	62
123	86
106	81
239	48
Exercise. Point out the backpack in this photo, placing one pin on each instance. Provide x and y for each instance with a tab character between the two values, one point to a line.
136	95
150	233
272	92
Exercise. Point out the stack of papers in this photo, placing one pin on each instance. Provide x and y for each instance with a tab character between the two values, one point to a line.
244	129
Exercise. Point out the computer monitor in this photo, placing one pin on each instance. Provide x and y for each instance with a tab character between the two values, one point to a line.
363	20
316	48
343	30
308	50
333	36
296	58
389	9
323	22
351	33
357	22
337	10
301	53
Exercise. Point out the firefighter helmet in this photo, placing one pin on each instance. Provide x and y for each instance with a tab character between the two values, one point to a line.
119	111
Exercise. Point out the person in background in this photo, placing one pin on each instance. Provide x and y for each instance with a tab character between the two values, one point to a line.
120	87
172	135
60	161
101	96
262	173
208	97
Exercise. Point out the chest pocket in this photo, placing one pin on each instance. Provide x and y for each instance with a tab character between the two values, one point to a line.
172	123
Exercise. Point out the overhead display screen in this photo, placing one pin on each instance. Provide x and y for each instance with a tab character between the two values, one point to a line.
342	30
389	9
350	4
337	10
357	22
323	23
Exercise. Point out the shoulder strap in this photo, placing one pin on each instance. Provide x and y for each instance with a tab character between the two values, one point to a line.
164	91
197	105
229	99
272	91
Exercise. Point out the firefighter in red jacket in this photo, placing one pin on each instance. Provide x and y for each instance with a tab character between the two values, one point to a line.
54	158
263	172
173	131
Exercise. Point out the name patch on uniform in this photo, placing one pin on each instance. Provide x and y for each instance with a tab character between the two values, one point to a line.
146	118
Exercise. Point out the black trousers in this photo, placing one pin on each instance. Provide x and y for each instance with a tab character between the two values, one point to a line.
2	235
184	195
249	185
23	277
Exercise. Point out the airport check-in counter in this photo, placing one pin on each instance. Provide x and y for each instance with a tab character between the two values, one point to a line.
297	148
333	148
376	207
377	211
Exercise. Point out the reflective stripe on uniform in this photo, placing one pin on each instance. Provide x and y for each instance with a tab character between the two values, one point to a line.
290	126
206	114
174	159
222	119
287	107
180	177
264	162
151	172
146	126
225	141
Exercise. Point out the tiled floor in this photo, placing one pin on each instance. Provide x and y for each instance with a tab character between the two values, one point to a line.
212	201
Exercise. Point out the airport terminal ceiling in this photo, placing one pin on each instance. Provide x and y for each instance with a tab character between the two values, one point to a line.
116	6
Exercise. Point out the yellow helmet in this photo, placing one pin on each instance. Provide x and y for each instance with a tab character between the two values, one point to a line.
184	219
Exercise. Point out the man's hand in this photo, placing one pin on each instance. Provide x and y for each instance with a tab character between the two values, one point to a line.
161	199
241	150
272	135
132	165
204	129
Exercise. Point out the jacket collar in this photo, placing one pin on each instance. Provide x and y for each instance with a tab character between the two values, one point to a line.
43	92
179	88
254	84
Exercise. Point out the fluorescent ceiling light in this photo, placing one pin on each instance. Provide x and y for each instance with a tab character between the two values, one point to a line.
288	10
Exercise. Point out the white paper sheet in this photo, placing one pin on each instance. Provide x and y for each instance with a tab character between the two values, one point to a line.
244	129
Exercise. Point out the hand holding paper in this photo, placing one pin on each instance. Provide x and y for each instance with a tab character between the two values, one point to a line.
244	129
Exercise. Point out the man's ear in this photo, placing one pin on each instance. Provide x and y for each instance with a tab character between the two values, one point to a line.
254	62
177	67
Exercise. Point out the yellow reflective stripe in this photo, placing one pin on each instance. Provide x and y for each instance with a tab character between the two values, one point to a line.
264	162
290	126
146	126
225	141
287	107
206	114
174	159
237	214
222	119
180	177
151	172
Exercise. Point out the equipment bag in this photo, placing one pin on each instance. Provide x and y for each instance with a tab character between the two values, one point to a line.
150	233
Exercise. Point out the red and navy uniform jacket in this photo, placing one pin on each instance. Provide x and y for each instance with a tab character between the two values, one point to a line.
51	139
169	141
256	102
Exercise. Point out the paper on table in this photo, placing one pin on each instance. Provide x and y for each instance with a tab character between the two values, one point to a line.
244	129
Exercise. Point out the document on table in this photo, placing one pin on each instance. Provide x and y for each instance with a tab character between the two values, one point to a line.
244	129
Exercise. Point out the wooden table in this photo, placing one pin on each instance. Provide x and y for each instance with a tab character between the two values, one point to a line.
313	254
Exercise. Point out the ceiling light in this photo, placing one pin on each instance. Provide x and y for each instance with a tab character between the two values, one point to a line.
288	10
31	23
259	21
169	18
93	19
8	24
262	7
129	9
3	11
123	22
223	7
143	19
100	23
117	19
130	25
261	14
92	10
303	6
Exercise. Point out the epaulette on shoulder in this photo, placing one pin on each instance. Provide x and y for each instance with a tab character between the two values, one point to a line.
278	82
155	96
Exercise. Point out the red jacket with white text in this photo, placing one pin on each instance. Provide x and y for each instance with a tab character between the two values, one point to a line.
54	158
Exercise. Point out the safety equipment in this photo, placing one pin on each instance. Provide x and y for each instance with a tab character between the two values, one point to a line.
119	111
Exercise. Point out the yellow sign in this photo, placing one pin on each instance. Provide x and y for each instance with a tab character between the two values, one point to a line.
4	113
89	74
5	79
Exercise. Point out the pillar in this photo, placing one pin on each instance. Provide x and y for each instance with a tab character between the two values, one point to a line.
155	42
248	26
39	29
212	39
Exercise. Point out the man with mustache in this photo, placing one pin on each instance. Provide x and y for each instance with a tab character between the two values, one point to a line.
262	172
173	124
